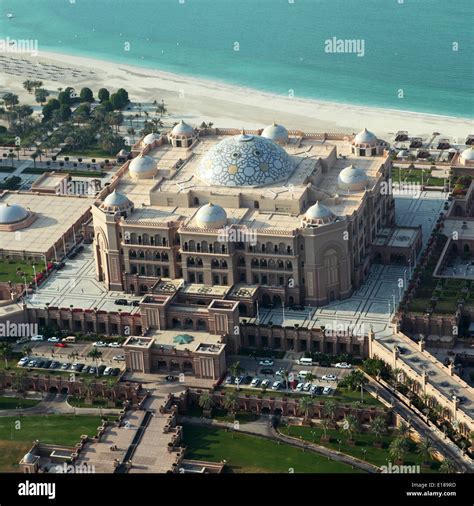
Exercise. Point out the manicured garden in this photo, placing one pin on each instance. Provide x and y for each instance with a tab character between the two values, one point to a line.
413	175
363	447
17	434
12	271
17	403
72	171
250	454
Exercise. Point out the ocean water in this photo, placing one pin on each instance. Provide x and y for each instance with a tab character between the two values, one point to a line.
275	45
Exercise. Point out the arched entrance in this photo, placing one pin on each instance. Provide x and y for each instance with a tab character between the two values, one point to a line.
277	302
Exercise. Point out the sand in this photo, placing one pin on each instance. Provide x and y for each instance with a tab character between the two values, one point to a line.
196	100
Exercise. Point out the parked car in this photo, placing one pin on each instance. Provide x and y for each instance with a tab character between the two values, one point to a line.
32	363
307	387
229	380
100	344
265	383
327	390
60	345
22	340
107	371
329	377
115	371
313	390
47	364
239	380
343	365
85	370
101	369
266	362
38	337
55	364
299	387
118	358
135	302
65	366
247	380
114	345
93	370
319	390
171	378
121	302
297	307
79	367
23	361
40	363
280	372
255	382
303	374
276	385
266	371
54	339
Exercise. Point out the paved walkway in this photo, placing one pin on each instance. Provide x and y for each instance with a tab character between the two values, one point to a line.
262	428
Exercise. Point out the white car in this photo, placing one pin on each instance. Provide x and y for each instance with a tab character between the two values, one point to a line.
54	340
307	387
22	340
343	365
327	390
23	361
299	387
100	344
276	385
303	374
119	358
266	362
329	377
255	382
115	345
265	383
38	337
280	372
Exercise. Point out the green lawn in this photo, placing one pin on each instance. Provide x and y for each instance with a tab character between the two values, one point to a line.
251	454
17	434
15	402
364	441
87	153
72	171
8	271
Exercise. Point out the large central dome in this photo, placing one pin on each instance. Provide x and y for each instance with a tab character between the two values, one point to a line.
245	160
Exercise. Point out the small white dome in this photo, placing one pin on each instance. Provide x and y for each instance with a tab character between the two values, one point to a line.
276	133
12	213
142	167
468	154
150	138
183	128
29	458
117	199
352	178
319	214
211	216
365	137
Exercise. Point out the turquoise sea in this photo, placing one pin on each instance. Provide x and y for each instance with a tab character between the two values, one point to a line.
281	44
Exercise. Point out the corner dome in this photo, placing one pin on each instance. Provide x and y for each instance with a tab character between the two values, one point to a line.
29	458
182	128
468	154
276	133
142	167
150	138
352	178
12	213
211	216
116	201
319	214
245	160
365	137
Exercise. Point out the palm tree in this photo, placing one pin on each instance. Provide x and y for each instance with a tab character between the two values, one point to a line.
377	427
310	377
447	466
330	409
404	431
206	401
397	448
304	405
230	401
235	370
6	350
87	384
325	424
26	349
426	449
95	354
350	425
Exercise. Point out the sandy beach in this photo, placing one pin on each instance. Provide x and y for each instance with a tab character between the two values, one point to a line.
197	100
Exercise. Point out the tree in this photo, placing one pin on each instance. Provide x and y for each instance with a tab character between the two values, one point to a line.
104	95
95	354
86	95
28	85
397	448
41	95
206	401
377	427
10	100
404	431
64	112
230	401
425	448
26	349
236	370
325	423
447	466
330	409
304	405
6	350
350	425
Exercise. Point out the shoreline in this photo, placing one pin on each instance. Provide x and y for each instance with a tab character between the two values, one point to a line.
198	99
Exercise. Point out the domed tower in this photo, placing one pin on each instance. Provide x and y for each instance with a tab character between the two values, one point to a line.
142	167
150	139
211	216
276	133
245	160
467	156
182	135
317	216
352	179
366	143
117	202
